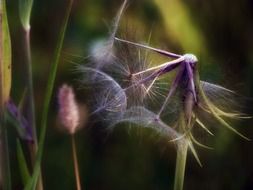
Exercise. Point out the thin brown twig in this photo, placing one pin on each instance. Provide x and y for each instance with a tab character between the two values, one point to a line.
76	166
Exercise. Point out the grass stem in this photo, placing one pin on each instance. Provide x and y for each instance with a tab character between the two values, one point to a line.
49	92
30	106
29	81
75	160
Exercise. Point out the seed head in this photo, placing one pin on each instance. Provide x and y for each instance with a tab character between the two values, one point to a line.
190	58
68	109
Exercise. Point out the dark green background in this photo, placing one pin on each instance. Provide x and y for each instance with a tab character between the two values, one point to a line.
123	159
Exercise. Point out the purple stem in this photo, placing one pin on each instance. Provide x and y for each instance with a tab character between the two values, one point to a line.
162	52
155	74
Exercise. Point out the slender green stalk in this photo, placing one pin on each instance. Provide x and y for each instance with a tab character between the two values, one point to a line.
49	90
29	80
180	165
30	106
25	9
75	160
182	150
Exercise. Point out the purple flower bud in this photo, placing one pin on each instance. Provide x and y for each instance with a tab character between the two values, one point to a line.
24	130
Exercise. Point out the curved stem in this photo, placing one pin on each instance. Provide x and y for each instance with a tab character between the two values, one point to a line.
117	19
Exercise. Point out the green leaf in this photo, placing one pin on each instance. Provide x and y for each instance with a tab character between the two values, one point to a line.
25	8
5	56
24	172
5	86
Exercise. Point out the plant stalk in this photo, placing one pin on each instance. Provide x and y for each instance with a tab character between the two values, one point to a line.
75	160
30	105
180	165
49	91
30	110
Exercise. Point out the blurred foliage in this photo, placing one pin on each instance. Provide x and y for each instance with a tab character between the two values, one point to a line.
181	27
218	31
5	56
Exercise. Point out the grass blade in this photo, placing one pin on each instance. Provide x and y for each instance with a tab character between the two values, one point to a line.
52	75
25	9
5	85
5	55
